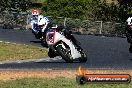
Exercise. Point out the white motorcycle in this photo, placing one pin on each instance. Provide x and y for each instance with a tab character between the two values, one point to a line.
60	45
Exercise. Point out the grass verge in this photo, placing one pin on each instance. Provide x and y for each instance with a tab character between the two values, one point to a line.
55	83
11	52
53	79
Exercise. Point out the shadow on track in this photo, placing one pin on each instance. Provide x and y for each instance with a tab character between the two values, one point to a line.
42	44
35	41
58	61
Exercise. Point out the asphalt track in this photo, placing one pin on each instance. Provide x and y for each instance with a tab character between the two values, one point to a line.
102	52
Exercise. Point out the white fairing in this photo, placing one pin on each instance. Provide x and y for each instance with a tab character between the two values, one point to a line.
43	21
75	54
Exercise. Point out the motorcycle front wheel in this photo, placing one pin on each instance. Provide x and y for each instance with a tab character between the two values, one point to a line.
129	37
130	49
64	53
44	43
51	53
83	57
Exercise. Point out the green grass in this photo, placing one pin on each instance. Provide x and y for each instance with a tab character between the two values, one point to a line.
55	83
20	52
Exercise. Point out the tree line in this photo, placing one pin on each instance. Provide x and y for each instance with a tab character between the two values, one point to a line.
81	9
88	9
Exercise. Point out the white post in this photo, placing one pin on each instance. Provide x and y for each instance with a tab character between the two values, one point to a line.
65	22
101	26
27	19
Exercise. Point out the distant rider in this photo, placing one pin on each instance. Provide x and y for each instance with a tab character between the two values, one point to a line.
128	31
44	23
34	24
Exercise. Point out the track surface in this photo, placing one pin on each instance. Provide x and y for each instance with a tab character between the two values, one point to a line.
102	52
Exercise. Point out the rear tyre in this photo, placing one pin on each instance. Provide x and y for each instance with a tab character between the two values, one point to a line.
64	53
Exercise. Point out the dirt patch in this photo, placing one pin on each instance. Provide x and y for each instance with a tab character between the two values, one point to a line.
112	1
18	74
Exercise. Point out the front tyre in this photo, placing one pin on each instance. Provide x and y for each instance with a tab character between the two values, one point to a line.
37	35
83	57
130	49
129	37
51	53
64	53
44	43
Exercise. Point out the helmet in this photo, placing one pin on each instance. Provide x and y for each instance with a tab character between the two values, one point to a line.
35	12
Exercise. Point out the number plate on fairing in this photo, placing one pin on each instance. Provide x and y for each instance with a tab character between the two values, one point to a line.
50	36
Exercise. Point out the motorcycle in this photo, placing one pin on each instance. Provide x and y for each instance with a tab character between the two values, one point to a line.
129	36
64	46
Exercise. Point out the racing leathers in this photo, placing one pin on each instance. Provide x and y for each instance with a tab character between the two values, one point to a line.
34	24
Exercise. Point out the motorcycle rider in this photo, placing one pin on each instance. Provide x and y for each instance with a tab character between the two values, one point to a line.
129	31
128	24
129	21
39	24
68	34
34	24
44	23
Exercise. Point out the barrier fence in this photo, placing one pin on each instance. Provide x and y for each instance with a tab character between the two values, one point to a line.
96	27
21	21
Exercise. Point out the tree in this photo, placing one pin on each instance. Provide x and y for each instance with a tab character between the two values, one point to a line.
65	8
125	8
83	9
9	5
